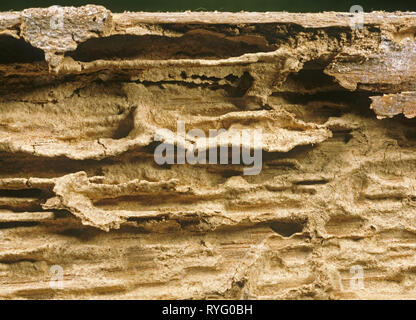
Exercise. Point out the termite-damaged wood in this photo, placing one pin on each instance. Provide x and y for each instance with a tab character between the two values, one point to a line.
84	94
390	105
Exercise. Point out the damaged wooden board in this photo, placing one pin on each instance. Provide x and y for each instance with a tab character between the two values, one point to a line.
87	96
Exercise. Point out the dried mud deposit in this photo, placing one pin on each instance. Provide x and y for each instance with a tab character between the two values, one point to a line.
79	188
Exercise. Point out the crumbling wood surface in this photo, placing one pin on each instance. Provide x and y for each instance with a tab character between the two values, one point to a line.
79	108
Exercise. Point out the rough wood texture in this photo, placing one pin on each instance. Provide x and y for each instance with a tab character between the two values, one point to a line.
79	188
